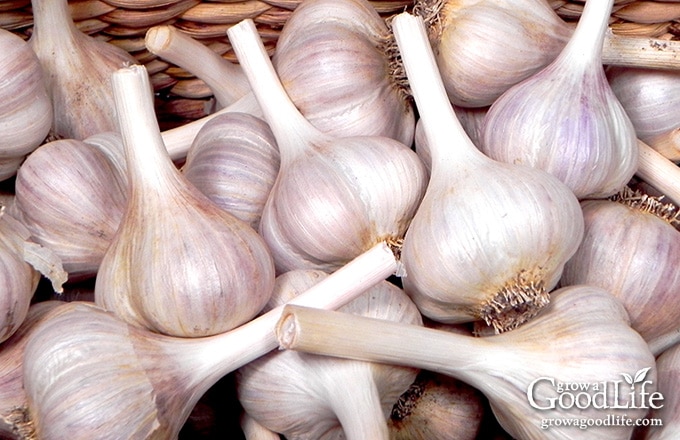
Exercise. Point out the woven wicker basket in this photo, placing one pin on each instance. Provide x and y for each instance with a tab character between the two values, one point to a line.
182	97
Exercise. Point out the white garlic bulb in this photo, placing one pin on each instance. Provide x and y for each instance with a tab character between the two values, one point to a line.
565	119
650	98
304	396
71	197
174	245
333	62
78	69
582	337
14	422
333	197
489	239
484	47
234	160
631	248
665	421
26	110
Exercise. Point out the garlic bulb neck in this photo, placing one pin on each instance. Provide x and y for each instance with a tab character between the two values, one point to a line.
585	44
78	69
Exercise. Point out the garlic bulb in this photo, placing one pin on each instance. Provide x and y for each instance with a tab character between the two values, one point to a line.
12	395
71	196
437	406
26	111
484	47
305	396
78	69
173	244
234	160
666	420
333	60
582	337
566	119
225	79
120	372
631	248
333	197
489	239
650	98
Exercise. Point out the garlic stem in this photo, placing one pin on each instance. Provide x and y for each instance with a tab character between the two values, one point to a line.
225	79
651	53
587	40
312	330
252	430
291	129
358	408
659	172
145	151
440	123
215	356
48	12
664	342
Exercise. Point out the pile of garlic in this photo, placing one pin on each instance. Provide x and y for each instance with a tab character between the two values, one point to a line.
437	249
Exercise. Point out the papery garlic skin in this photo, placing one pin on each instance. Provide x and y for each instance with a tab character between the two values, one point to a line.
483	47
26	110
566	119
70	402
466	281
318	217
304	396
18	278
650	99
178	264
78	68
13	417
72	198
332	60
234	160
633	253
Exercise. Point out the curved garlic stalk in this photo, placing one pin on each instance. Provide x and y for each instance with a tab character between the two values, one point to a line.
72	198
12	395
334	62
225	79
333	197
252	430
631	248
305	396
22	261
234	160
174	245
661	173
116	371
668	372
650	98
583	336
565	119
489	239
26	110
437	406
78	70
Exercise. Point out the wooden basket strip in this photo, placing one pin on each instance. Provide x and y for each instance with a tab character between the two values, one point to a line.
137	18
217	13
86	9
649	12
141	4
